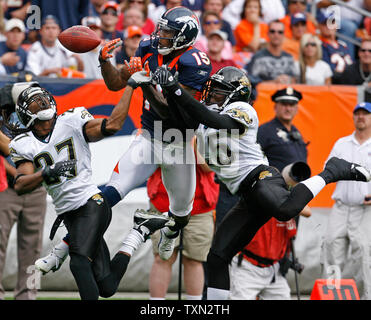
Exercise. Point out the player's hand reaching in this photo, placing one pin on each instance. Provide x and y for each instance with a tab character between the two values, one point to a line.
140	77
107	51
134	65
58	169
164	77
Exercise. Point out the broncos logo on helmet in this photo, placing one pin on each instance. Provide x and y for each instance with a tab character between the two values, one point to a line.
230	82
182	24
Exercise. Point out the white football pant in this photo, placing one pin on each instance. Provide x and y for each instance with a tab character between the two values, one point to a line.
177	162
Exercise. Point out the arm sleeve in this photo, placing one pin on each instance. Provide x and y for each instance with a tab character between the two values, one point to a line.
198	111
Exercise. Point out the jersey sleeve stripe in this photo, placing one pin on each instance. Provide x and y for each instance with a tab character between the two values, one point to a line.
146	57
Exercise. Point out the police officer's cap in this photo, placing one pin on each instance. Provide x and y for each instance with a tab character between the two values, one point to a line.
288	94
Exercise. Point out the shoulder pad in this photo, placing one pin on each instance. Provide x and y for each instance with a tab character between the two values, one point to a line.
189	57
194	68
79	113
20	147
144	47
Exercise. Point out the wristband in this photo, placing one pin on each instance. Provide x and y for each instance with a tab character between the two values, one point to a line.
103	129
17	177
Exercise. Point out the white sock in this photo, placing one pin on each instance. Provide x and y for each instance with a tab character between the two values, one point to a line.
314	184
156	298
62	245
132	242
189	297
217	294
61	249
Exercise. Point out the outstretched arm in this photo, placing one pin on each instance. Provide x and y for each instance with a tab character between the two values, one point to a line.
194	108
97	129
115	79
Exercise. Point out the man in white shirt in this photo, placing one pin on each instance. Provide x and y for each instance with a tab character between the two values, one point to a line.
349	223
47	57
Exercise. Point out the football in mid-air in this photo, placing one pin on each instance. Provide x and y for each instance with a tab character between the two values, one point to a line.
79	39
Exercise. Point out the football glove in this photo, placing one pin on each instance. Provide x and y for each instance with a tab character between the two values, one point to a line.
164	77
58	169
134	65
138	79
106	52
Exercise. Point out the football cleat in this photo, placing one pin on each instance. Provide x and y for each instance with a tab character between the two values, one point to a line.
166	245
339	169
53	261
147	222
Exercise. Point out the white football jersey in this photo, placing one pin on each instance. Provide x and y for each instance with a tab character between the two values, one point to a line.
233	156
66	142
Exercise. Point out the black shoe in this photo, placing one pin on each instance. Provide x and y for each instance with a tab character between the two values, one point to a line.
147	222
339	169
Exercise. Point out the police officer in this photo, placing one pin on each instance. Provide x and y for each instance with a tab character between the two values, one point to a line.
280	140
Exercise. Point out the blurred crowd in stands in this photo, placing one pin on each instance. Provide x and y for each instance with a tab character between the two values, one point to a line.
314	42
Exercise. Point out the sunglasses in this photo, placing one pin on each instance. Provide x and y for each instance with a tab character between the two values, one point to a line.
300	24
212	22
364	50
136	1
312	44
110	12
276	31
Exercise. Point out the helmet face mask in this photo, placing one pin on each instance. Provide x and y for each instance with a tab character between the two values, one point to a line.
184	26
42	99
215	93
230	82
162	35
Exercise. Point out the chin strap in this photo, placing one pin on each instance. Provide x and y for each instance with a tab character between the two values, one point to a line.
47	137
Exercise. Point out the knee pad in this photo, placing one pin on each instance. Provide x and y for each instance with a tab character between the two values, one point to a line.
180	222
